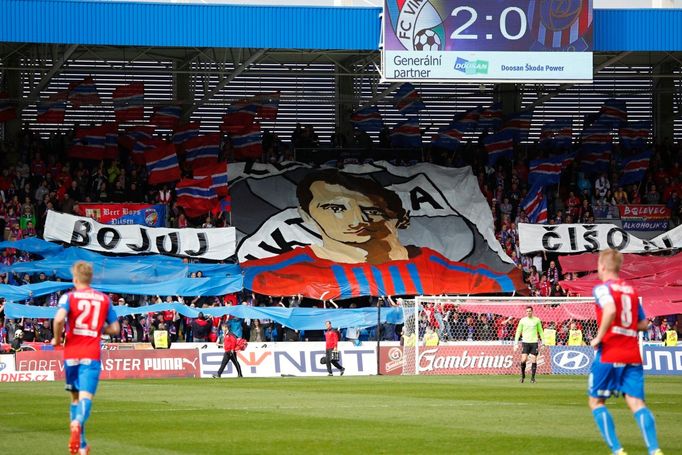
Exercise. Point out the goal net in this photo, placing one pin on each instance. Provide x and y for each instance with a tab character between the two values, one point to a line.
475	335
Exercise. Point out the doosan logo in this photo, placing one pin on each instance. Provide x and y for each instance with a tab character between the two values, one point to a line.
471	66
571	360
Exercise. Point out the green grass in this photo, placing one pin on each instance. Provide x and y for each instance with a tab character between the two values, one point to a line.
354	415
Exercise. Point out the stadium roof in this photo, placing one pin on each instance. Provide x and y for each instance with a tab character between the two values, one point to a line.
271	27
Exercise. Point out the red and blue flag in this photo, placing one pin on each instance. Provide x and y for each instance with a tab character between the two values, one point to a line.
499	145
248	143
195	196
83	93
129	102
406	134
162	164
635	169
408	100
218	174
367	119
166	117
203	150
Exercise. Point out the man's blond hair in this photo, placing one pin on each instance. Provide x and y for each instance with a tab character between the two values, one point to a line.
82	272
612	259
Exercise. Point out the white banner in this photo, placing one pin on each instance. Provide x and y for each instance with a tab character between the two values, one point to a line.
288	359
579	238
214	243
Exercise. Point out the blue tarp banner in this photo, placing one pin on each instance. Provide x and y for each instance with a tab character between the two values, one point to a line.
122	269
33	245
185	287
295	318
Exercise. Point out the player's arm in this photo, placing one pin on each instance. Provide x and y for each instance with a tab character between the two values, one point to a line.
58	326
541	333
112	327
608	306
518	335
642	321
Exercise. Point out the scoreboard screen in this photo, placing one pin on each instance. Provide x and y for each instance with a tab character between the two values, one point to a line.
487	41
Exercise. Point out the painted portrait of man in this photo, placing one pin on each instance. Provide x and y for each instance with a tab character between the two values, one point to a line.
359	251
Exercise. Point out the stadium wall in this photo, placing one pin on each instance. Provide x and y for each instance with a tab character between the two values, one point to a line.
202	360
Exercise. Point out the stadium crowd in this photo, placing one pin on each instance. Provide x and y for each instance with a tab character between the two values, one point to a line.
38	176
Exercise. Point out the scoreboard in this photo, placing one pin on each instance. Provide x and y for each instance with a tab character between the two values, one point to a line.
487	41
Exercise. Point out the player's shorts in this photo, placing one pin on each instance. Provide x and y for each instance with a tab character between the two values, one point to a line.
614	379
82	375
529	348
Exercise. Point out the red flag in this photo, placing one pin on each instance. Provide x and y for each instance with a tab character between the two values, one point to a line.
195	196
162	164
218	174
95	143
248	143
203	150
235	122
166	117
51	112
83	93
134	134
129	102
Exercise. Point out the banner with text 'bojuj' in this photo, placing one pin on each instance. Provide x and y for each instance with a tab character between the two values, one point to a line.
371	229
502	40
214	243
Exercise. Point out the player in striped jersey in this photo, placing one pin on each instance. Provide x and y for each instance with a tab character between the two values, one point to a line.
85	313
617	366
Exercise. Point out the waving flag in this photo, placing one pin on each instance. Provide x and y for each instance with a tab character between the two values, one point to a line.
83	93
518	125
556	134
235	122
203	150
95	143
491	117
595	162
166	117
634	135
129	102
268	105
545	172
137	152
614	112
367	119
183	133
218	174
635	168
406	134
468	119
195	196
248	143
597	137
8	110
499	145
408	100
51	112
134	134
162	164
535	205
449	137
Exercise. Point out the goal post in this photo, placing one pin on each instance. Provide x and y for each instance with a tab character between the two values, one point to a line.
475	335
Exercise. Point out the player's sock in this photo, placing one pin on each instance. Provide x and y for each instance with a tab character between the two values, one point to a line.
645	419
523	370
73	412
85	405
604	421
533	369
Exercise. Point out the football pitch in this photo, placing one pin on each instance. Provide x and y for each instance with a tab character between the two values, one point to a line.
350	415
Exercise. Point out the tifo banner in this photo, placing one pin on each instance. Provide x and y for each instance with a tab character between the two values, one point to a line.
639	217
213	243
152	215
371	229
458	359
509	40
579	238
123	364
290	359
